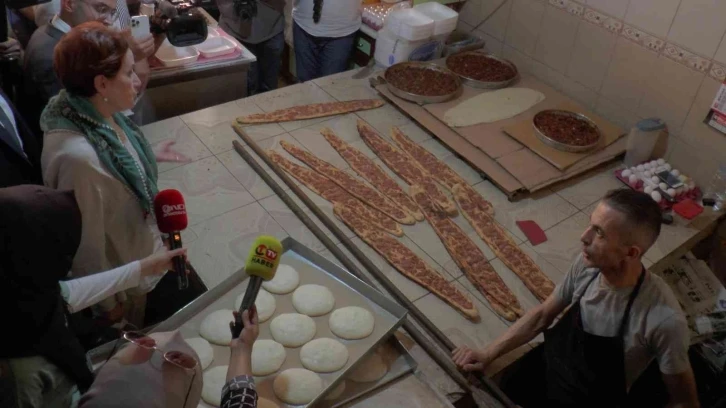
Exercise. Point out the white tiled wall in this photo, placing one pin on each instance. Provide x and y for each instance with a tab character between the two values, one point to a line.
625	59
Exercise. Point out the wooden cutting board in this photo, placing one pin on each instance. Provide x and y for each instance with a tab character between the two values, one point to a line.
523	132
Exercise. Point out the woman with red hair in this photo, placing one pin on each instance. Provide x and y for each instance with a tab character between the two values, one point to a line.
90	147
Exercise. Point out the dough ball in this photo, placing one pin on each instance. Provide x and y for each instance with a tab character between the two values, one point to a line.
293	329
204	351
215	327
324	355
671	192
285	281
660	162
373	368
648	189
213	381
675	173
655	179
667	166
313	300
351	323
656	196
267	357
640	167
633	179
337	391
297	386
648	174
626	173
663	186
265	403
265	303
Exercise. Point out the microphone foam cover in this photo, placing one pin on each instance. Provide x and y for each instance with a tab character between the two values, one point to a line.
264	257
170	211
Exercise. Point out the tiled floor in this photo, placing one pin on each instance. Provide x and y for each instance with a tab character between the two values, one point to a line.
229	205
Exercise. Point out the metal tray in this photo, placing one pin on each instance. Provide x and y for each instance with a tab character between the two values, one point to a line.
423	99
562	146
475	83
348	291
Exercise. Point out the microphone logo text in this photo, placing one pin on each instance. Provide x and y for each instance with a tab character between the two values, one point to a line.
173	209
263	250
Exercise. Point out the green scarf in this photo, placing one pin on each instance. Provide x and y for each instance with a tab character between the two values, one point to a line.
69	112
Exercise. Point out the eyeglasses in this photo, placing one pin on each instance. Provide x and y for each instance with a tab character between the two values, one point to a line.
174	357
103	10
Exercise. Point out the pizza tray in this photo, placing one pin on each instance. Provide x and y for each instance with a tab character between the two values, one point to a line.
525	133
423	99
313	268
485	84
564	146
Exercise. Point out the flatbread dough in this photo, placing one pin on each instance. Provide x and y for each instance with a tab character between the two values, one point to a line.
214	380
293	329
267	357
265	403
492	106
215	327
351	323
285	281
265	303
313	300
337	391
324	355
297	386
204	351
373	368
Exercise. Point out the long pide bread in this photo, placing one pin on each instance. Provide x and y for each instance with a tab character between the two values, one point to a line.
406	168
469	258
499	241
369	170
444	174
314	110
330	191
349	183
407	262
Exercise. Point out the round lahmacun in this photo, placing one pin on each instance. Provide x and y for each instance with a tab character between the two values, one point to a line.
324	355
215	327
297	386
351	323
313	300
285	281
293	329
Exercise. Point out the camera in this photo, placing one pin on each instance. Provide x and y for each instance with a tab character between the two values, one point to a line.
182	22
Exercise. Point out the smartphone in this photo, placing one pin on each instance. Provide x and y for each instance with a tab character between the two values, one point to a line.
140	26
671	180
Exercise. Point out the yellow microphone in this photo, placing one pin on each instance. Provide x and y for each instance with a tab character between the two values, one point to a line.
261	265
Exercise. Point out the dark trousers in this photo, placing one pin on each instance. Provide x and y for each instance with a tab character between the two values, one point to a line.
316	57
263	73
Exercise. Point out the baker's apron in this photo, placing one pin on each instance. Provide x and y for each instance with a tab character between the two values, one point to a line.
574	368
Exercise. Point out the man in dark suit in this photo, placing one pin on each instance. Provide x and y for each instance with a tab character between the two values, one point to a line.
19	152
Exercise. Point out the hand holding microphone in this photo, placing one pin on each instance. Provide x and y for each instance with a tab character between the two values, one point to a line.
171	217
261	265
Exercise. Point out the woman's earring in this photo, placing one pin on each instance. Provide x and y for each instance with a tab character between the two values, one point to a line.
105	99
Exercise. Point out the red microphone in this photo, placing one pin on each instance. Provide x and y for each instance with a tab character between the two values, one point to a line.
171	217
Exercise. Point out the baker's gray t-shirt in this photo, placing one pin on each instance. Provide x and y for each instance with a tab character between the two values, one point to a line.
657	327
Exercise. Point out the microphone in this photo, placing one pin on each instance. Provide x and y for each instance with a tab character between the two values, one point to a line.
171	217
261	265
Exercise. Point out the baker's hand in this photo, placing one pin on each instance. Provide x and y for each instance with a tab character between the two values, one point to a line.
470	360
160	262
142	48
165	153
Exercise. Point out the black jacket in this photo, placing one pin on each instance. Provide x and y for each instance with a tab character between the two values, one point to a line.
14	168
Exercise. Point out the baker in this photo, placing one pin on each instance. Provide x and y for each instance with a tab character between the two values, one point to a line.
621	318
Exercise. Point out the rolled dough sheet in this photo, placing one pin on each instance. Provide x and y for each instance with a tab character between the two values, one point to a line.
492	106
